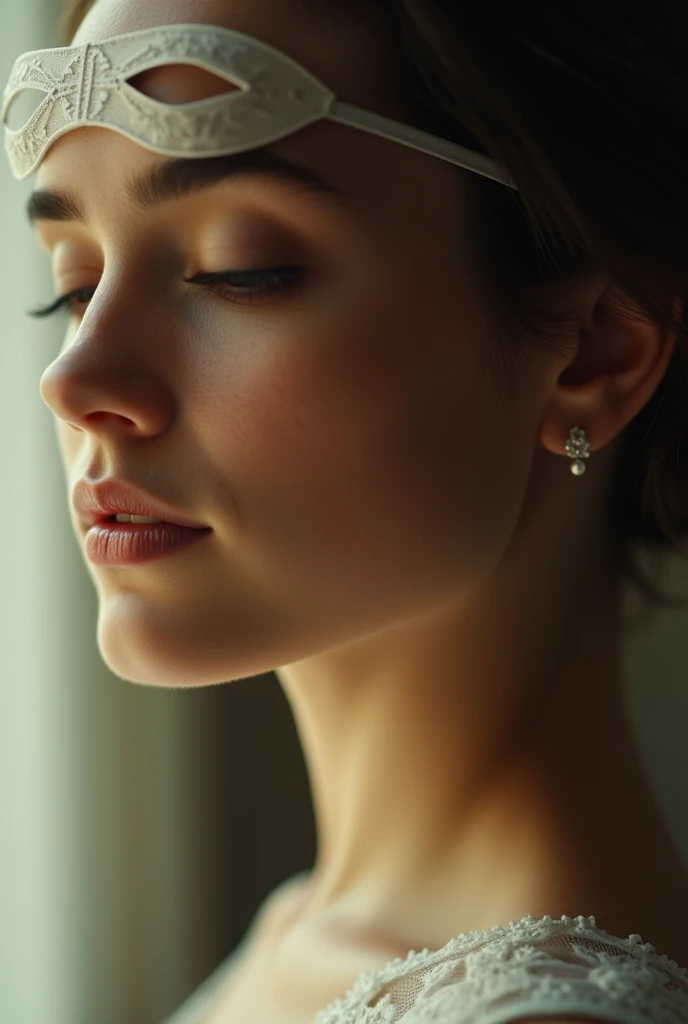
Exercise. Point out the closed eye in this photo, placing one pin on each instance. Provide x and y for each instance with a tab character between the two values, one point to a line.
240	286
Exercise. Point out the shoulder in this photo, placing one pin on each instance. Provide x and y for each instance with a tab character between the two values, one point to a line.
279	906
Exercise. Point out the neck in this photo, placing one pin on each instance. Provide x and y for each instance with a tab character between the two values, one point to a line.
447	802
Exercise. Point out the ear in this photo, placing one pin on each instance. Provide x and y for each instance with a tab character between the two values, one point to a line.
619	362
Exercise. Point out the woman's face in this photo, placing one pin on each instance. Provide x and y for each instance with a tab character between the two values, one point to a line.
343	437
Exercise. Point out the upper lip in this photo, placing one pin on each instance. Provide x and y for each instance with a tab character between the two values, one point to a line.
96	503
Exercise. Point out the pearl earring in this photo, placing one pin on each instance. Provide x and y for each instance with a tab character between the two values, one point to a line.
578	448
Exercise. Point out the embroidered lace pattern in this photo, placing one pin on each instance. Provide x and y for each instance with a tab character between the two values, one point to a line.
274	97
88	85
532	968
536	967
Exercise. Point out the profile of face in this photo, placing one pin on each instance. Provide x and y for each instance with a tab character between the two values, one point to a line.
341	434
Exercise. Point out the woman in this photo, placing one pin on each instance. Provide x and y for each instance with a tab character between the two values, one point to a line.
376	445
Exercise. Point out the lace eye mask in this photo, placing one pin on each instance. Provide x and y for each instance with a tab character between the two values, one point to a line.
276	97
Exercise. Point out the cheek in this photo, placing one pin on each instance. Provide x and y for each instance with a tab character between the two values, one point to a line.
367	468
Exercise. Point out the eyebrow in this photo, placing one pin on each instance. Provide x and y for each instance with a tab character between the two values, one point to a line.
175	178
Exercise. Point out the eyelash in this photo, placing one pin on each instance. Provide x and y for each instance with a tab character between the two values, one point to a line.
273	279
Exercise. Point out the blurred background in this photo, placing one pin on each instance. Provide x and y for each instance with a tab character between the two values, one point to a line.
140	829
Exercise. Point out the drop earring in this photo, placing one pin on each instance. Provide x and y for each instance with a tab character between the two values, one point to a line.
578	448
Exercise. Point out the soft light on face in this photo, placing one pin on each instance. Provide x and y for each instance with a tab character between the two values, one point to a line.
335	435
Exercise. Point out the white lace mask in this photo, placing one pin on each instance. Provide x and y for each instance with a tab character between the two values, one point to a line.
87	85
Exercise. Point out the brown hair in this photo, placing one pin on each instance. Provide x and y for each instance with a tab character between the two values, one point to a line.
586	104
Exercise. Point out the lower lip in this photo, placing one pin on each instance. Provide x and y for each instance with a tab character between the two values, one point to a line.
113	543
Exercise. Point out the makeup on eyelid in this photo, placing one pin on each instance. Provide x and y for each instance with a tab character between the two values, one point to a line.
272	282
253	237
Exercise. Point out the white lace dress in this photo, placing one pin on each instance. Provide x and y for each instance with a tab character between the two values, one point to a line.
533	967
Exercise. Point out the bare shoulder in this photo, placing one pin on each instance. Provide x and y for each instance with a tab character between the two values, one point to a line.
280	905
253	956
266	926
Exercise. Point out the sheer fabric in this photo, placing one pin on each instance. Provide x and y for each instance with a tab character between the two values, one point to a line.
533	967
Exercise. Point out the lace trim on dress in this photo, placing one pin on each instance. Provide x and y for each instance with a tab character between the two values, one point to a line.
542	965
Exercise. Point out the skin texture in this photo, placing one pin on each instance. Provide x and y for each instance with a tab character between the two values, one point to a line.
394	534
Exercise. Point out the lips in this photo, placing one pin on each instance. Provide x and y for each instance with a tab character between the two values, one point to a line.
113	519
99	503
